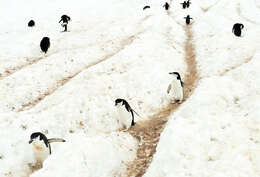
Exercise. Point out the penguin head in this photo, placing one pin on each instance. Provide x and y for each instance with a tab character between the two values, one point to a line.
38	138
241	26
119	102
46	39
176	74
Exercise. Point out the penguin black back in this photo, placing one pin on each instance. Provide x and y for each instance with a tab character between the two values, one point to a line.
188	4
31	23
65	18
187	19
45	44
237	27
184	5
166	5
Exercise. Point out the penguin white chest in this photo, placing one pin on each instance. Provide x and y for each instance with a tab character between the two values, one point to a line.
175	91
125	117
40	151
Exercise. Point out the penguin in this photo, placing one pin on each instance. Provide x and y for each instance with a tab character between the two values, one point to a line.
175	88
41	146
184	5
65	20
166	5
237	27
187	19
146	7
31	23
45	44
124	111
188	4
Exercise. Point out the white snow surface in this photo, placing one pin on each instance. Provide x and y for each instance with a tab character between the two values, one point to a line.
215	133
114	49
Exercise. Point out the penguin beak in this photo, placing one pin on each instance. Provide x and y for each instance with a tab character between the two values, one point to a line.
30	141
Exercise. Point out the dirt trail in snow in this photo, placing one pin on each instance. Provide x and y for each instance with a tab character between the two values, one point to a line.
12	70
148	132
236	66
63	81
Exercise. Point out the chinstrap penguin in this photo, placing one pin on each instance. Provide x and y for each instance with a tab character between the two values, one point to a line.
45	44
41	146
166	6
188	19
126	113
175	88
65	20
237	27
31	23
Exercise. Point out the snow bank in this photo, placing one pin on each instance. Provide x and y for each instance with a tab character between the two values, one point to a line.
215	133
96	156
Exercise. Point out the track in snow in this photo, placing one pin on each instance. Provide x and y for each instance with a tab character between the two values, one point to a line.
63	81
236	66
12	70
148	132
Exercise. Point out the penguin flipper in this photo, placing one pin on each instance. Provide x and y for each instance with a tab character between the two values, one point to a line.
49	148
52	140
133	121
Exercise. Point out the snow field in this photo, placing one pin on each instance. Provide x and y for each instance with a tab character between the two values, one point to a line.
140	50
215	132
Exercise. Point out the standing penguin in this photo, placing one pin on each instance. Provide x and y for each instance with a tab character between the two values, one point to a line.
187	19
65	20
184	5
175	89
166	6
237	27
41	146
31	23
188	4
45	44
126	113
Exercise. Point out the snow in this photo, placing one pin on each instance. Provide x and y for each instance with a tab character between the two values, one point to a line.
216	131
113	50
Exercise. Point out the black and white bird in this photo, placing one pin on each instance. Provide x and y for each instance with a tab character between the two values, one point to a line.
31	23
188	3
175	88
45	44
237	27
65	20
41	146
188	19
166	6
125	112
184	5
